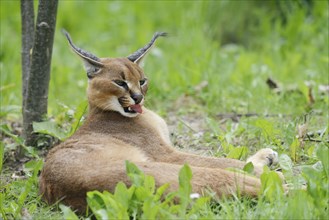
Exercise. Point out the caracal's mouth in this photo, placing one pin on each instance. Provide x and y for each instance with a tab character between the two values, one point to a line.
137	108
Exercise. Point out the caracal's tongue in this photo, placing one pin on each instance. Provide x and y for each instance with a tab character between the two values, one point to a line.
136	108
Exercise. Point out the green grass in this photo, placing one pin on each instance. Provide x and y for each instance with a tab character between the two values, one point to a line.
232	46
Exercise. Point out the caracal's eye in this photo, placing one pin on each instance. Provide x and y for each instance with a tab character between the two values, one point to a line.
121	83
142	82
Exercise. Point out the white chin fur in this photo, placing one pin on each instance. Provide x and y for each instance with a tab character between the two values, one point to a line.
114	105
127	114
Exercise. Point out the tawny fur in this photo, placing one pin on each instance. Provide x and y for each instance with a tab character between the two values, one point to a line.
94	157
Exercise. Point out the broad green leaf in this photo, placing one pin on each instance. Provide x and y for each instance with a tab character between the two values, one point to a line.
80	111
149	183
323	154
136	179
122	195
50	128
96	201
249	168
267	129
33	165
116	210
317	186
101	214
135	174
105	206
293	149
141	193
271	184
68	213
285	162
150	209
132	168
160	191
237	152
185	188
169	199
185	176
310	151
32	151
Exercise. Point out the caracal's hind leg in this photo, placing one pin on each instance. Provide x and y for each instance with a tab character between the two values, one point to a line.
72	190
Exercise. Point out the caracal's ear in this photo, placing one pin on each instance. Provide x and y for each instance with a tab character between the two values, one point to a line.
140	54
91	63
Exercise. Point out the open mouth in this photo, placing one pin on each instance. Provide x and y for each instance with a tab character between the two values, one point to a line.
133	109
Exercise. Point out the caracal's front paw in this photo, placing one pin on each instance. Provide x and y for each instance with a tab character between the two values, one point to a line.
264	157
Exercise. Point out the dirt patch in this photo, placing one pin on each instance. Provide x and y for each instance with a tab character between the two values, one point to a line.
190	133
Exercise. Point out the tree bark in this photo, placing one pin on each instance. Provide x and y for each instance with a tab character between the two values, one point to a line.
27	21
35	99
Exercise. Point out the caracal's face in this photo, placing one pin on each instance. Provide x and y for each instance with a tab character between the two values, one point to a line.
120	85
116	84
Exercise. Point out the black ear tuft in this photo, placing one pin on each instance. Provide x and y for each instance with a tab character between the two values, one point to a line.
137	56
91	62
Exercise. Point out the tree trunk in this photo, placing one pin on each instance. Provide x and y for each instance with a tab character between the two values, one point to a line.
27	21
35	98
27	16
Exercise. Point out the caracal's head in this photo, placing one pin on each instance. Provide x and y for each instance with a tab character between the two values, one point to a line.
116	84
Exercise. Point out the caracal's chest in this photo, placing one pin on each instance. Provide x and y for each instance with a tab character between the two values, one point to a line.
157	125
146	132
109	139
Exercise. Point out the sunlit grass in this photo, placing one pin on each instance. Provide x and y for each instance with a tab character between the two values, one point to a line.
290	53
